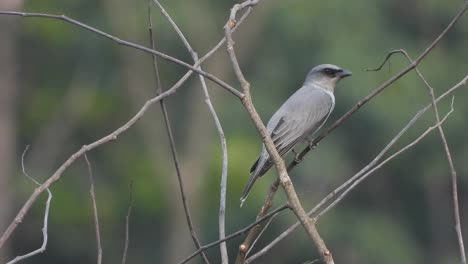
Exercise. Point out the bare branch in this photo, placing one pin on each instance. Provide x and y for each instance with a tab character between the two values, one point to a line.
128	44
95	211
46	217
446	149
127	225
23	168
273	243
285	180
379	89
274	186
389	55
359	174
260	234
237	233
254	232
363	177
222	204
175	158
112	136
58	173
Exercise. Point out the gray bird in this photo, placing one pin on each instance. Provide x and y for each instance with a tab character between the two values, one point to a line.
299	117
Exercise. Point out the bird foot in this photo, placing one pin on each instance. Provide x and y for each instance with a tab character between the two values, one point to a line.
312	145
297	158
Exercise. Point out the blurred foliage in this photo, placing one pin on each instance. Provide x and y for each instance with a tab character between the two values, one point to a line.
402	214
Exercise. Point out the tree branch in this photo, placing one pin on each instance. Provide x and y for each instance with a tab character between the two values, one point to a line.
386	84
237	233
363	177
222	203
128	44
95	211
274	186
360	173
46	217
285	180
127	224
175	158
110	137
448	154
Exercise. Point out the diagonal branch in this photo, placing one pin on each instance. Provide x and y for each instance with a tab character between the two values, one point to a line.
285	180
222	204
128	44
448	154
378	166
353	185
237	233
331	195
104	140
170	135
383	86
260	234
274	186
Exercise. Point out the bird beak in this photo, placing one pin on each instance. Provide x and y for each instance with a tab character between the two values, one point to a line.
345	73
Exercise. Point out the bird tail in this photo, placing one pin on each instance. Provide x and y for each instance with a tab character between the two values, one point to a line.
249	186
257	170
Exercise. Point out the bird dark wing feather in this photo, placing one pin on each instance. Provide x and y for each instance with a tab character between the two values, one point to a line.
254	166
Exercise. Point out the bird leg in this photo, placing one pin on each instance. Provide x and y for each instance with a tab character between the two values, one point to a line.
312	145
297	159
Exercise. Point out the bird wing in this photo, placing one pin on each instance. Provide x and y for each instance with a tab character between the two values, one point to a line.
300	116
307	114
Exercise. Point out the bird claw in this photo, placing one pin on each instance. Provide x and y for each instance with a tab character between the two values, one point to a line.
312	145
297	159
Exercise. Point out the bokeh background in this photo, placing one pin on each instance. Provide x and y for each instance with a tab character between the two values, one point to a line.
62	87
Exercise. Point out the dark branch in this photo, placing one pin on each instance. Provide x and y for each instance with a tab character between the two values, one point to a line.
128	44
237	233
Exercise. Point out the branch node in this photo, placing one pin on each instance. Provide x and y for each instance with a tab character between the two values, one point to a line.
232	23
243	248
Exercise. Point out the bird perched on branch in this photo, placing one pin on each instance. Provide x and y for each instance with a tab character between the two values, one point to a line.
299	117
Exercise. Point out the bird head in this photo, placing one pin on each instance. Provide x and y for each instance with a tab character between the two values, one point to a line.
326	76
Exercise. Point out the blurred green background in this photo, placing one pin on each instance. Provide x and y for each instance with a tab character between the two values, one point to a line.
63	87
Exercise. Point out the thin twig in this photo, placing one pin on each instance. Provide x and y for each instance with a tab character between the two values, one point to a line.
379	89
46	217
237	233
273	243
345	192
110	137
222	203
128	44
448	154
363	177
95	211
334	192
274	186
170	135
127	224
260	234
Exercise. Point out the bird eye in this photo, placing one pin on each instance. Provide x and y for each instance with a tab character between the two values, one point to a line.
329	71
